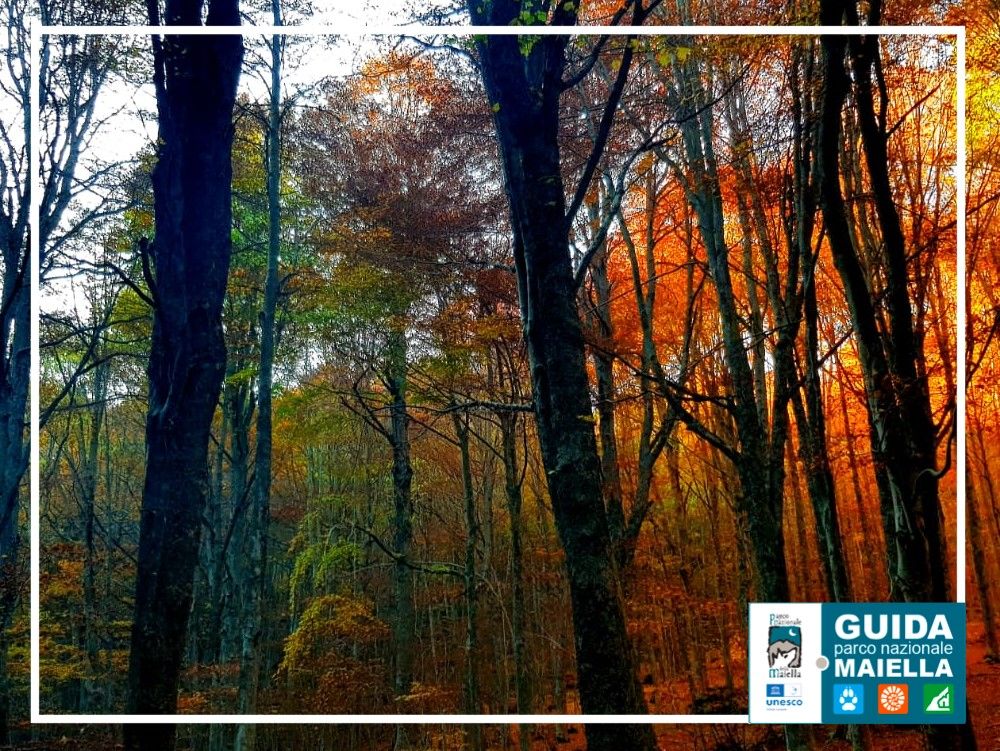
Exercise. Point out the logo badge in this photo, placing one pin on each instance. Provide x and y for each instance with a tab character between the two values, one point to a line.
939	698
893	698
775	689
784	647
848	698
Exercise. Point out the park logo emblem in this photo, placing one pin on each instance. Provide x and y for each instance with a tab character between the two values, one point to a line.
893	698
784	648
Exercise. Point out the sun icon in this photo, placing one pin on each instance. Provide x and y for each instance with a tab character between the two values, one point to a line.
892	699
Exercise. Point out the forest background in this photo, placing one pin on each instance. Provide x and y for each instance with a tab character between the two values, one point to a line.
390	516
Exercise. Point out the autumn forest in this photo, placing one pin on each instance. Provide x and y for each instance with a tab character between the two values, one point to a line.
489	373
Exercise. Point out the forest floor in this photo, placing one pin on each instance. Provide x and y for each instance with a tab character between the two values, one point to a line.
983	689
983	697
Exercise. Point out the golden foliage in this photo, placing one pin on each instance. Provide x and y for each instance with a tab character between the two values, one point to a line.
330	623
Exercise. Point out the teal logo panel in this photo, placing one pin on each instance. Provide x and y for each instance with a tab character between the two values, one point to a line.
893	663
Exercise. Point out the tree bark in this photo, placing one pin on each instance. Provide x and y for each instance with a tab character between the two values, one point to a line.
868	586
512	489
524	87
470	698
14	382
982	575
196	80
259	515
903	435
904	353
603	356
759	458
88	498
404	615
908	479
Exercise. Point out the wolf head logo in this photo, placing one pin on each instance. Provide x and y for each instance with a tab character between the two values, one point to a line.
784	654
784	647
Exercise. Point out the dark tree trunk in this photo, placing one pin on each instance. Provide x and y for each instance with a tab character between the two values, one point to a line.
14	381
811	425
259	513
524	87
907	476
404	615
809	417
982	574
238	403
208	589
602	353
903	436
760	456
196	80
470	697
88	474
905	357
822	493
512	488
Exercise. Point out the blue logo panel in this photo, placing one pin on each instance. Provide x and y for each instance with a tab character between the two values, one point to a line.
894	663
856	663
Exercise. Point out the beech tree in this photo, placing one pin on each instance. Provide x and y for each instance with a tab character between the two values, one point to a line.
260	509
196	81
903	435
524	78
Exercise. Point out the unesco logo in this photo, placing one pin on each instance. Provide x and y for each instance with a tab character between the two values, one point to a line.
784	695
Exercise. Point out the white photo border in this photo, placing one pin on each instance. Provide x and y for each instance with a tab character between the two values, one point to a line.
360	30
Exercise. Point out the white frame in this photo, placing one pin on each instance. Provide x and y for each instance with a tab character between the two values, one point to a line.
357	30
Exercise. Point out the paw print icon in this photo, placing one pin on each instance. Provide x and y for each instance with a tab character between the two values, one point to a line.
848	698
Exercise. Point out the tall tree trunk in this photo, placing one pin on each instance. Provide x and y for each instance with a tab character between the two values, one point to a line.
196	80
904	353
14	381
759	459
760	455
259	515
238	402
88	497
819	482
212	560
602	354
910	576
810	418
982	574
512	488
404	614
903	435
525	89
869	584
470	697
